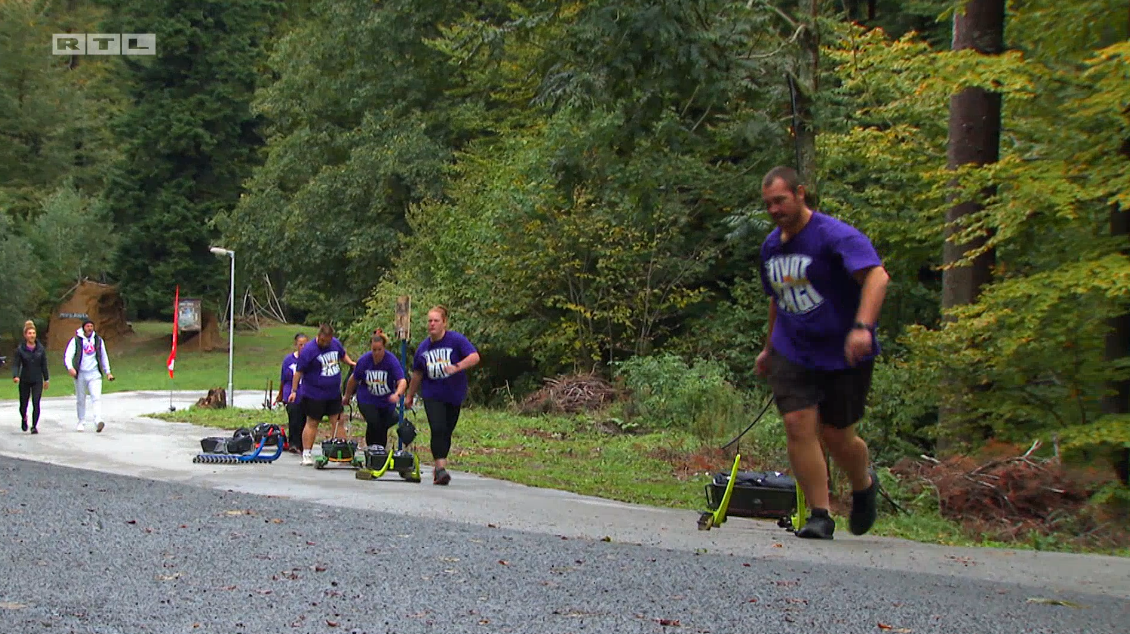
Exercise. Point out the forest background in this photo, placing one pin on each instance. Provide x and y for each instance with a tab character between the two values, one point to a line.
580	183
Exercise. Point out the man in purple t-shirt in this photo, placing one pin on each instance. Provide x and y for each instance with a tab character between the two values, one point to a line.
826	284
317	382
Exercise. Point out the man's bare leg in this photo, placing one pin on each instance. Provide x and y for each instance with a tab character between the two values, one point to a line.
807	457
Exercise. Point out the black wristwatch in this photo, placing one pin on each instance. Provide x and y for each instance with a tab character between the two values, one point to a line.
859	325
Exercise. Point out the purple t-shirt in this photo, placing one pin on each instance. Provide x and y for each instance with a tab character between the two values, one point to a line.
810	276
286	377
321	370
376	381
431	359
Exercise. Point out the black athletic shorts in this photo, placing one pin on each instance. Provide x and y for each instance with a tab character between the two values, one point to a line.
839	395
319	408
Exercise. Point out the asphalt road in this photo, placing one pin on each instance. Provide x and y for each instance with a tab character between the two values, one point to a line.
86	551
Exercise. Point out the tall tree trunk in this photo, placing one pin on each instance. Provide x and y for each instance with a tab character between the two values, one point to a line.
1118	346
974	139
808	84
1118	339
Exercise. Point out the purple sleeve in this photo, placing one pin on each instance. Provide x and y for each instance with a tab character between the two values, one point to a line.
856	250
418	359
394	371
761	273
363	364
306	357
465	347
283	371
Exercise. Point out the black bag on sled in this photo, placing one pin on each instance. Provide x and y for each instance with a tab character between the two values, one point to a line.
766	494
239	443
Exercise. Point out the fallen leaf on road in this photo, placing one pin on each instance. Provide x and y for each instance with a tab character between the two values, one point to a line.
319	568
11	605
884	626
669	622
492	525
484	622
168	577
778	545
309	543
504	562
753	600
276	521
332	623
131	522
606	539
1043	601
745	565
449	559
195	626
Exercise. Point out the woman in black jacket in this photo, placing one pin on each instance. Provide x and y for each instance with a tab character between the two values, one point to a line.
30	372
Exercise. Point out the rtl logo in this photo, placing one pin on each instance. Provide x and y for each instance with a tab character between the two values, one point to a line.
104	44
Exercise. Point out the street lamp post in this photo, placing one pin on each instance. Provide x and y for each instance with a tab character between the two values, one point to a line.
231	320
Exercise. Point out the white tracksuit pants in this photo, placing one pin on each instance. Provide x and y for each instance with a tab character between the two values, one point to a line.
89	384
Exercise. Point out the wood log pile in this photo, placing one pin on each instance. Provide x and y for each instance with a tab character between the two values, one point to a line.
570	394
216	399
1007	497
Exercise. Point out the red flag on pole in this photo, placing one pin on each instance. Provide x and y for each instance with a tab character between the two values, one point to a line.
176	328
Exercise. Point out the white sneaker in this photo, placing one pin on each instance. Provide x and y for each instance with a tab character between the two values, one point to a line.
307	460
80	427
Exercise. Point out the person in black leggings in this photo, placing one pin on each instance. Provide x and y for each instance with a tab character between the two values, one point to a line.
29	371
439	374
378	381
295	415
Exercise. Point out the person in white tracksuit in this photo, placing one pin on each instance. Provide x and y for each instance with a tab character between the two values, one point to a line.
86	360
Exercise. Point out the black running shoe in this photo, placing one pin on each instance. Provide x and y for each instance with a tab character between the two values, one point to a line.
442	477
819	525
23	425
864	506
34	430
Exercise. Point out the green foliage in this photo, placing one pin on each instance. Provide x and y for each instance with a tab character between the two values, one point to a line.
1029	354
357	133
16	278
1107	436
901	411
188	141
666	393
74	239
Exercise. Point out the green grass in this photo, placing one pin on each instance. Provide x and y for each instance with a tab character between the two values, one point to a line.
139	362
569	453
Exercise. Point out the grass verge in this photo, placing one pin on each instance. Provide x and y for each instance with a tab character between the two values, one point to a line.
139	362
572	453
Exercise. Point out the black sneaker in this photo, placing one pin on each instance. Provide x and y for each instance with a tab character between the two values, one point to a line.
34	430
23	425
819	525
442	477
864	506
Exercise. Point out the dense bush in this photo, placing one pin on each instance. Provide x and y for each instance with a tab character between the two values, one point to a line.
666	393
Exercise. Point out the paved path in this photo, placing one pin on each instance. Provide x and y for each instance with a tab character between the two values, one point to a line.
84	568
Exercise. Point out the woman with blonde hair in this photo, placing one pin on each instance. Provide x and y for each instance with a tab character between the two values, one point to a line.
439	374
30	373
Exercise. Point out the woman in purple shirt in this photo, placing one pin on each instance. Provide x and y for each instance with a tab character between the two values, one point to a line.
317	385
439	374
294	413
378	380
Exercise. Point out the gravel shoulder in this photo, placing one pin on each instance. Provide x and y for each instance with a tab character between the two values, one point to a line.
96	552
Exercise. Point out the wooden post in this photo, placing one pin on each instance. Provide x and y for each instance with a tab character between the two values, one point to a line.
403	318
